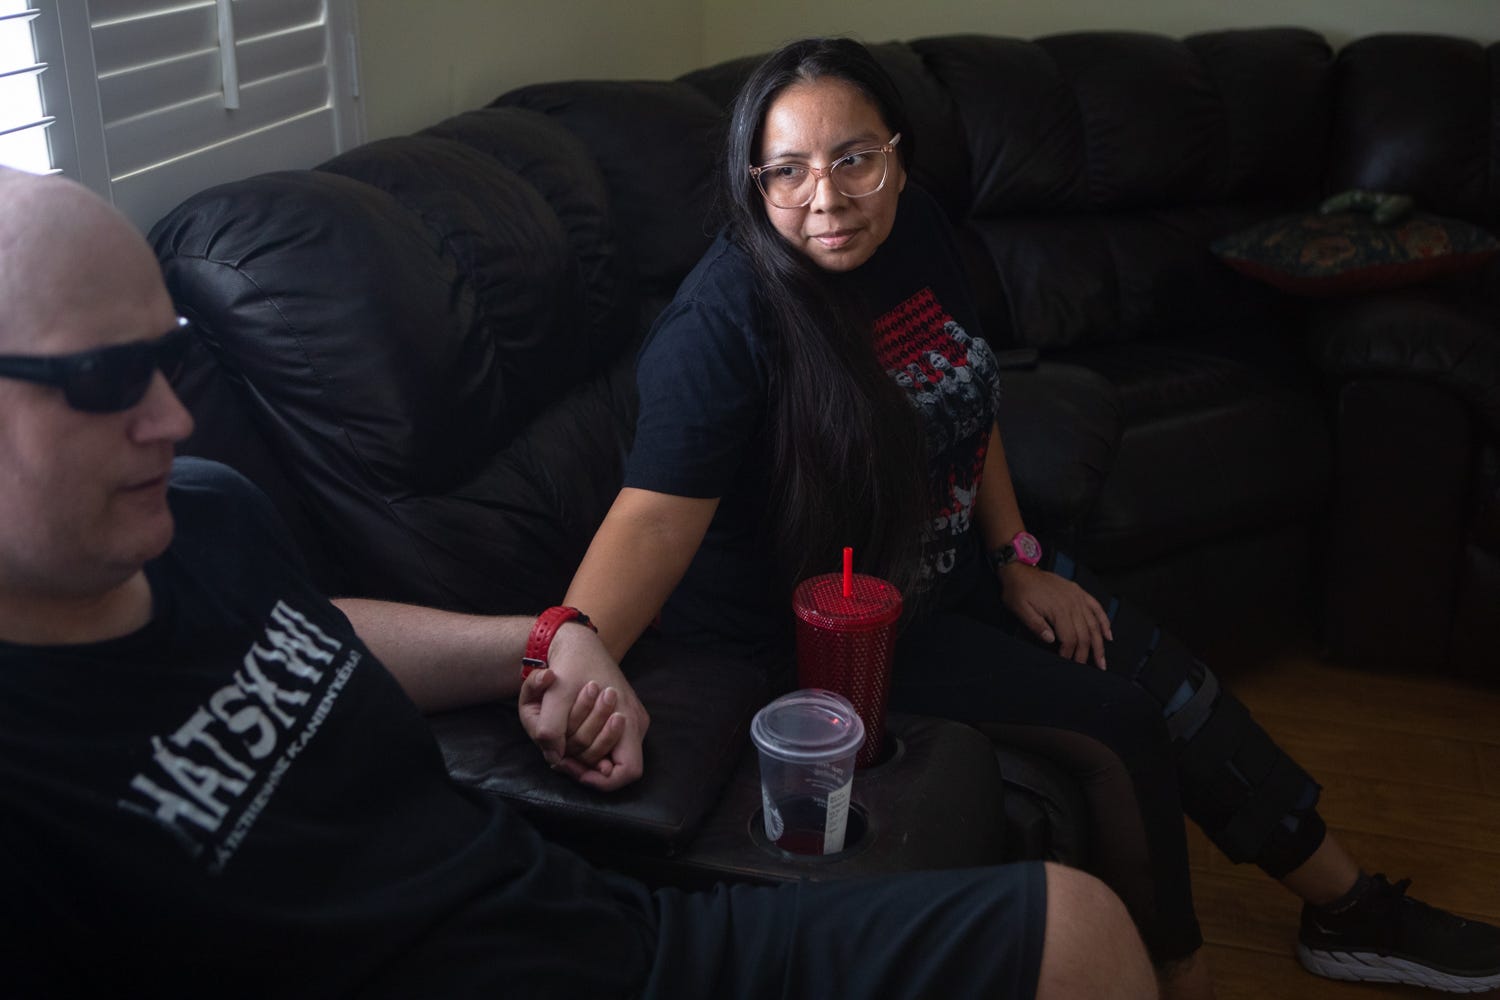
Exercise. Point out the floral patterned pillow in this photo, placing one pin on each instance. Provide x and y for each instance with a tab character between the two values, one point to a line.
1347	252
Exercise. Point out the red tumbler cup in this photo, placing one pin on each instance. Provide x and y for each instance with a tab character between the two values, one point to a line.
845	644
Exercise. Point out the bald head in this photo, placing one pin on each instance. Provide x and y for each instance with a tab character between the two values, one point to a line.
64	251
83	492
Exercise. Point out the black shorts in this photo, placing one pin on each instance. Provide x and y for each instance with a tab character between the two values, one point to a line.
963	932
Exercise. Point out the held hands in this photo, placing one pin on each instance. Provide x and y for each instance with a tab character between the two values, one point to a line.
583	714
1057	610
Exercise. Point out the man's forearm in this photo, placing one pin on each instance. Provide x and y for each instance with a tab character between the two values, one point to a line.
441	659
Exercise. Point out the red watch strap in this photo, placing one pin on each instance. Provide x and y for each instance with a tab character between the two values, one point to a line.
540	640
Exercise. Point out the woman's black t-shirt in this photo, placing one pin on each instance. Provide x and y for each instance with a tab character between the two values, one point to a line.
704	376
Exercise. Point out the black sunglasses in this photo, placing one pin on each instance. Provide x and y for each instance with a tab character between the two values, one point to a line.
106	379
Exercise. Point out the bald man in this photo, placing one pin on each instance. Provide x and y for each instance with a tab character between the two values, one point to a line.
211	786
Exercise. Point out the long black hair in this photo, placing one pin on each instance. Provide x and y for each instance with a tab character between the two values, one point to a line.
848	462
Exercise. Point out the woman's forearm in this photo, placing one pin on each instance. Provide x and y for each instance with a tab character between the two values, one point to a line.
636	559
996	511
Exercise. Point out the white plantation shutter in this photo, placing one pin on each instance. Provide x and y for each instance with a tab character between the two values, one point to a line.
23	120
172	96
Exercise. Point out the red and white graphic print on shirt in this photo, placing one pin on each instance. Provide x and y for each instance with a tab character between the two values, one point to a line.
953	381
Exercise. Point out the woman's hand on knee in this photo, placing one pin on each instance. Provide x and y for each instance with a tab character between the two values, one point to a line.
1057	610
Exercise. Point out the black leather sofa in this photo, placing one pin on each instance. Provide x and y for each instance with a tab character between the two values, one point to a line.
423	348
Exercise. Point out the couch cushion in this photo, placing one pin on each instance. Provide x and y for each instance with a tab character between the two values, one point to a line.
509	538
554	163
1061	427
391	323
699	734
1105	121
1420	114
1071	280
1219	439
656	145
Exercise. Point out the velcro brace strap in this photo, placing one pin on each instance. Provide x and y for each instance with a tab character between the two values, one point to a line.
1168	665
1245	836
1186	721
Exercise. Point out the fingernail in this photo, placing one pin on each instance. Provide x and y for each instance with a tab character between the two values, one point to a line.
591	689
551	758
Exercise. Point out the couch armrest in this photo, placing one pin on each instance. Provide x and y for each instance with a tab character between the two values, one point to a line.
701	704
1061	425
1405	452
1450	342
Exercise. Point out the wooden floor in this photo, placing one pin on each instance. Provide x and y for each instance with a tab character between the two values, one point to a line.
1410	768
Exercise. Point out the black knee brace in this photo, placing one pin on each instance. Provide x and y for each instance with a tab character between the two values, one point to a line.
1251	799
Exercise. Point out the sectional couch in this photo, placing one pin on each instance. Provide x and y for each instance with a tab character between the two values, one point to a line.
423	348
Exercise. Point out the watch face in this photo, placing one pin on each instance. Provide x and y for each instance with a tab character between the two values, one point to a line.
1028	549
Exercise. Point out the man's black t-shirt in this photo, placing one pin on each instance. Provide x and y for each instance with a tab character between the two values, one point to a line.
704	377
238	800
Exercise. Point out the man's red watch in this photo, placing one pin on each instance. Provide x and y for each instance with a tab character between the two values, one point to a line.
542	633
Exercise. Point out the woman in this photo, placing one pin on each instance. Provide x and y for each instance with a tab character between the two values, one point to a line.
820	381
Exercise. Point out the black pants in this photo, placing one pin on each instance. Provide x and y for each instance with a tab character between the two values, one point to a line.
1143	753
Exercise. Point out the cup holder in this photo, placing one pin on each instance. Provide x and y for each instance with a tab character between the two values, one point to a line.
890	754
856	838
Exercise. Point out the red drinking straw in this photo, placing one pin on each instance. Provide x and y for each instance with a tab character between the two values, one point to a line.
848	571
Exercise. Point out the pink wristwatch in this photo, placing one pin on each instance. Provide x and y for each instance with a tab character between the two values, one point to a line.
1024	548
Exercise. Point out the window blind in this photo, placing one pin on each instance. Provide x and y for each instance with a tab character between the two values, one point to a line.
184	94
23	120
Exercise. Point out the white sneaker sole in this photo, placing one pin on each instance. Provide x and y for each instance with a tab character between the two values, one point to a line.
1368	967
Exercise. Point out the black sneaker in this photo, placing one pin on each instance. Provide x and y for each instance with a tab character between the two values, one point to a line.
1388	937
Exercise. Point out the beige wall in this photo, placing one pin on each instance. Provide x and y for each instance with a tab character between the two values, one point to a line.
425	60
422	61
734	27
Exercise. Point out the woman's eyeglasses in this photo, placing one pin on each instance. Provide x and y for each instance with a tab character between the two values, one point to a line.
106	379
855	175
